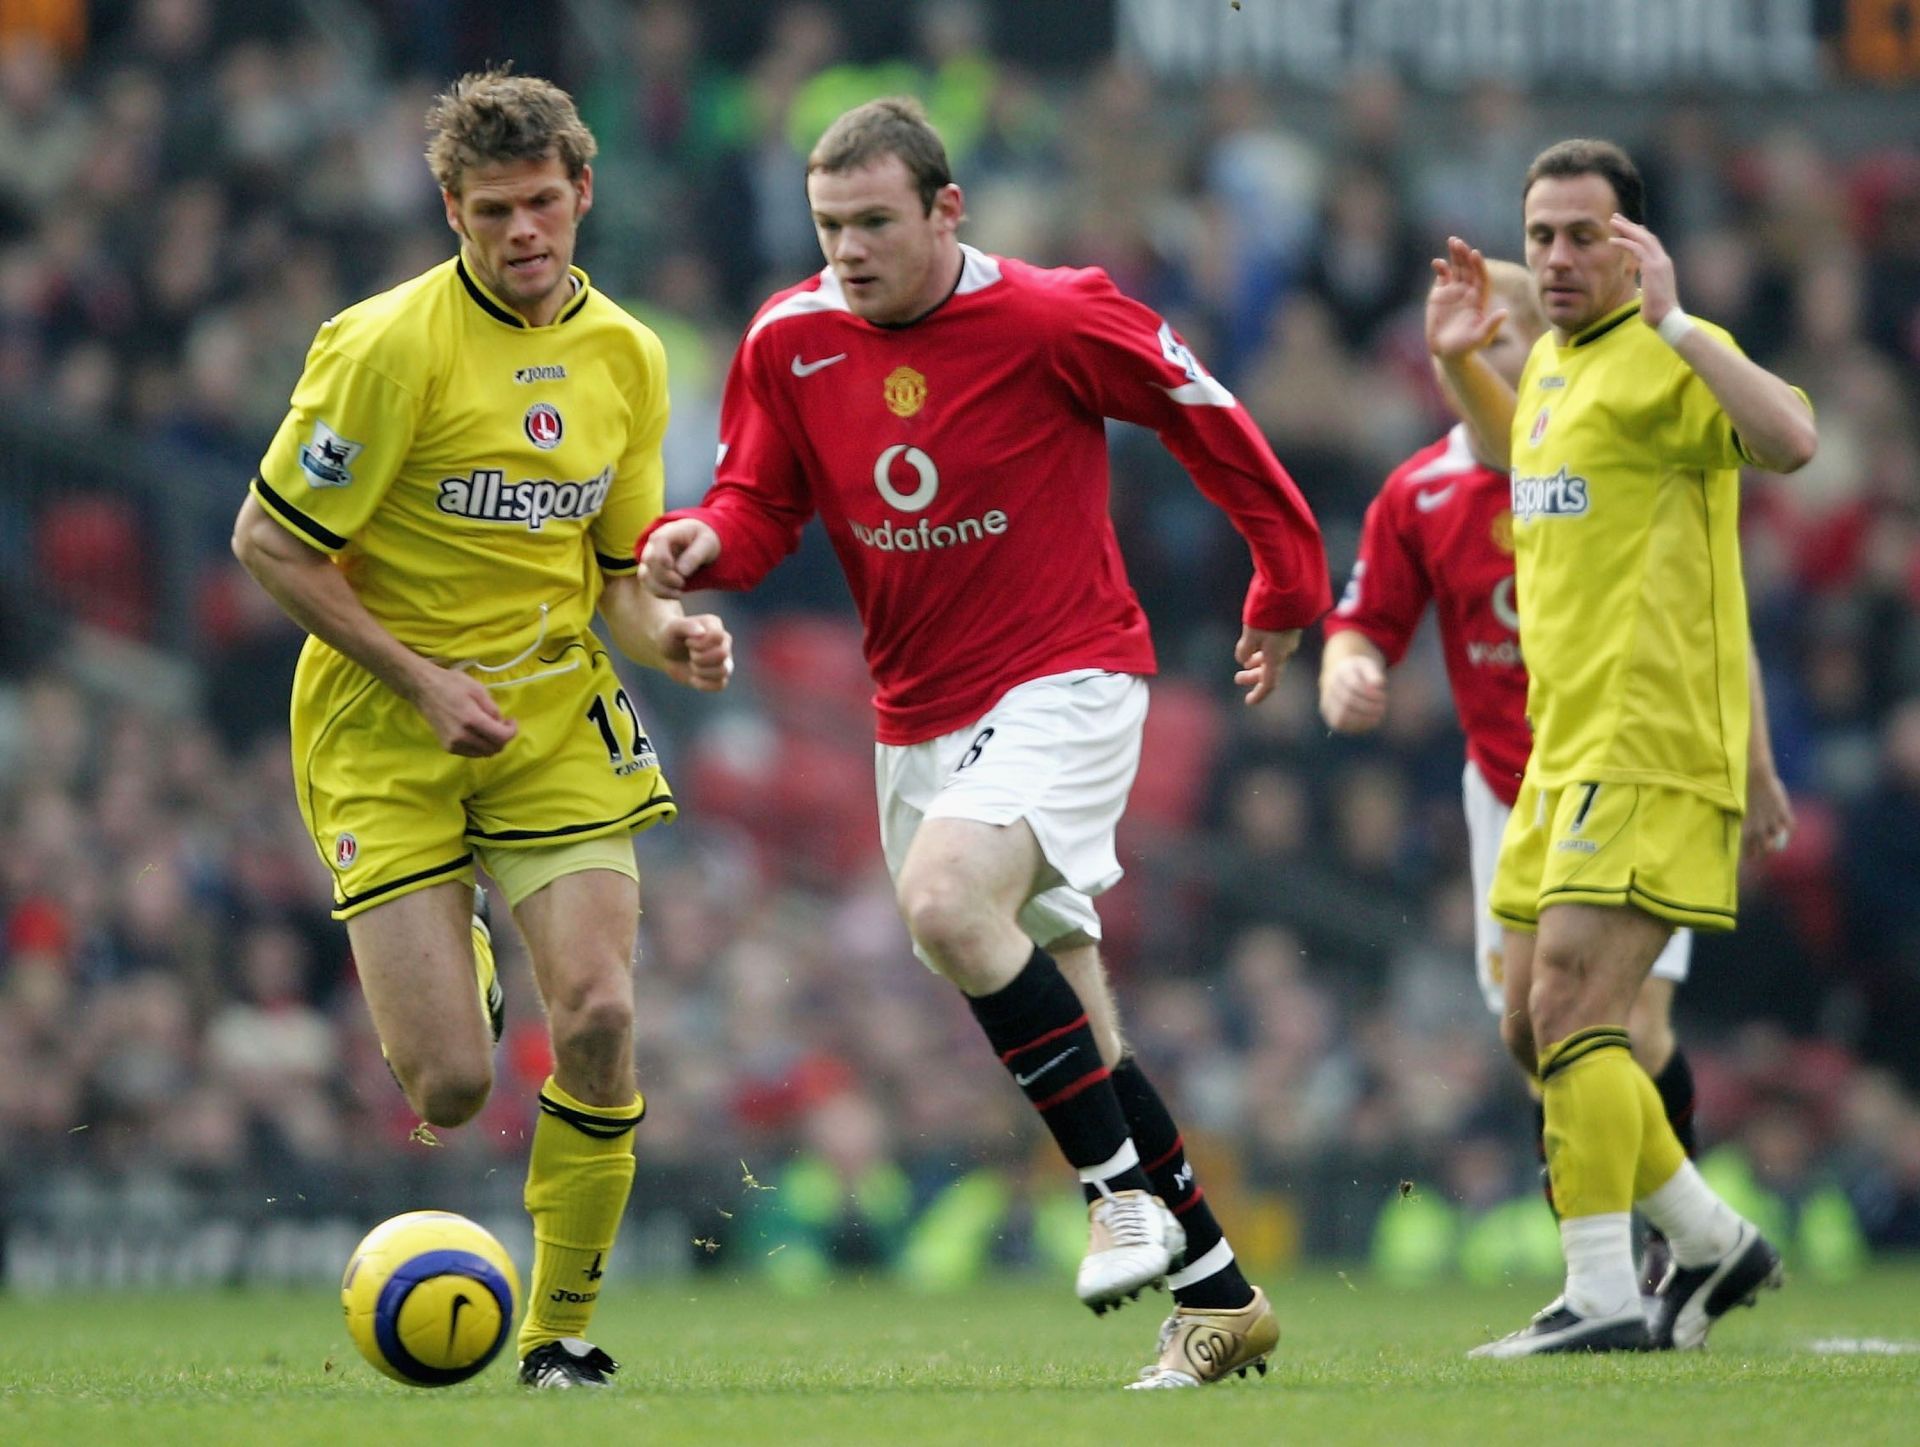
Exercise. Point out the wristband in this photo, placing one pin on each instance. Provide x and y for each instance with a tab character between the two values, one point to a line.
1673	326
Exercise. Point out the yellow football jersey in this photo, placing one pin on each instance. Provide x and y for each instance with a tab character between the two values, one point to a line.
1633	612
465	469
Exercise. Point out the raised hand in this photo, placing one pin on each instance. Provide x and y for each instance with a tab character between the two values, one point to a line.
1461	317
1659	291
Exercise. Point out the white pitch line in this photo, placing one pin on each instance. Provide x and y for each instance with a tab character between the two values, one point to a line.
1863	1346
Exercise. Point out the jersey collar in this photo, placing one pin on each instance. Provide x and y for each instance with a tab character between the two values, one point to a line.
959	275
501	312
1597	330
977	270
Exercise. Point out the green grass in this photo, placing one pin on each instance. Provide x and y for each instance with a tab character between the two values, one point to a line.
1010	1364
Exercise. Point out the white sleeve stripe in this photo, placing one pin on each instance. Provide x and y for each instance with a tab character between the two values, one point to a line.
978	270
1455	461
827	298
1206	392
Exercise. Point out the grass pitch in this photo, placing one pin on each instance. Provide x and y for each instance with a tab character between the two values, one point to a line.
714	1361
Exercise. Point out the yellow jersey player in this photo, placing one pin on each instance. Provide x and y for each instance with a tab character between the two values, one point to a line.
1625	439
457	487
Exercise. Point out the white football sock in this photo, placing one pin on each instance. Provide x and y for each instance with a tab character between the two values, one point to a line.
1600	1275
1699	1226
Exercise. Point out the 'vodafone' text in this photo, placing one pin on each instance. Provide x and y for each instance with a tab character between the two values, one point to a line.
924	537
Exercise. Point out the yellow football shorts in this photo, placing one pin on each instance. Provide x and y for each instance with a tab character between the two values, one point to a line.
391	811
1665	851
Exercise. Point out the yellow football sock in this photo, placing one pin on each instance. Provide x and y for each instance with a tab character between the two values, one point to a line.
577	1183
1591	1088
486	971
1661	1153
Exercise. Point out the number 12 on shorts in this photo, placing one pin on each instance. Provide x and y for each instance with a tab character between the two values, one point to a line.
639	755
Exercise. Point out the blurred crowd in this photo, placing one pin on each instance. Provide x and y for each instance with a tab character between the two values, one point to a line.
187	189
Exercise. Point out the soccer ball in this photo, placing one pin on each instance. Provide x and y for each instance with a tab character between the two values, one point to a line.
429	1297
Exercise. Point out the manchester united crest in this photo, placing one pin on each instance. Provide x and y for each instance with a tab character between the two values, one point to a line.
905	391
1502	531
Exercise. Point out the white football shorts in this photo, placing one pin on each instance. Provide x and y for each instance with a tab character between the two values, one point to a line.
1486	821
1059	752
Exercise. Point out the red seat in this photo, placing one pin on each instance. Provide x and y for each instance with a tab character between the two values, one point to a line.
806	798
1177	754
91	559
811	673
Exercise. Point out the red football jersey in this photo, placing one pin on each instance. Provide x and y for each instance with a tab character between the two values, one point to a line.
1442	530
959	465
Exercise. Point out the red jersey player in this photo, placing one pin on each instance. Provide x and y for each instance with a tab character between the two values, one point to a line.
943	412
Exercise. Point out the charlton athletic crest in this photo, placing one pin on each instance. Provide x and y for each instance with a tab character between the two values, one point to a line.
543	426
346	849
1539	428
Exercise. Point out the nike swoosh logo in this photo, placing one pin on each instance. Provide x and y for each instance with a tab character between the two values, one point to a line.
1428	501
807	369
453	1319
1023	1081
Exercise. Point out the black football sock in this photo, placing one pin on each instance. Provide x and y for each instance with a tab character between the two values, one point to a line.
1675	1084
1039	1028
1210	1279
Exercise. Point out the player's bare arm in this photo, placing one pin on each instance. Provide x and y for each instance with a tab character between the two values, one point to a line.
1461	321
1262	653
316	595
1772	419
1769	823
1353	683
695	650
674	553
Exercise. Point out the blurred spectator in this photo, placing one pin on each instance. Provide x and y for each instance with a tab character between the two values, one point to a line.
1468	182
1365	264
44	129
1883	908
272	1053
841	1205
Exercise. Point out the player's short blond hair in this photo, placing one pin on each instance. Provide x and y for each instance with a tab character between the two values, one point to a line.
1515	289
894	125
490	116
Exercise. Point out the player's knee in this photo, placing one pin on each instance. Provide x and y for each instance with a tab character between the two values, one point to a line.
1554	1002
447	1096
595	1024
944	921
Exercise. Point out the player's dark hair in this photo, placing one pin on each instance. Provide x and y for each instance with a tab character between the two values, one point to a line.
894	125
490	116
1604	159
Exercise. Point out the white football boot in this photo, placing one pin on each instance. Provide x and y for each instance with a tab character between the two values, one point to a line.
1133	1241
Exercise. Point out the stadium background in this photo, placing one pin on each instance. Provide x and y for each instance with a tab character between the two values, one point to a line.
189	1090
